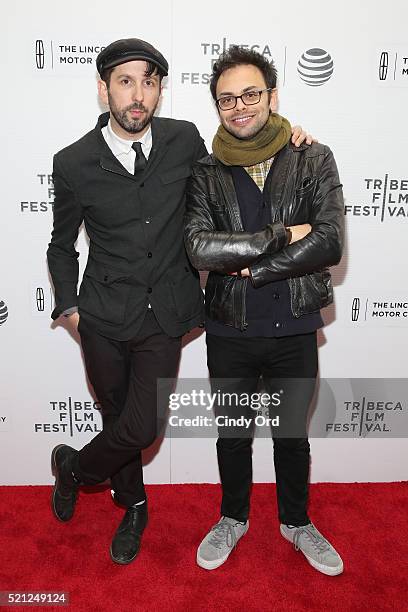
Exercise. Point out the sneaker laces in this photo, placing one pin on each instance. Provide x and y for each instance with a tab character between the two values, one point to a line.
316	539
223	532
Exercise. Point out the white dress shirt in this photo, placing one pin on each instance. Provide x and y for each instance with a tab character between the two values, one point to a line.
122	149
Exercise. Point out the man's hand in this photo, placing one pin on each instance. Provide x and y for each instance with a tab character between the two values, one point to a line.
72	321
299	136
242	273
299	231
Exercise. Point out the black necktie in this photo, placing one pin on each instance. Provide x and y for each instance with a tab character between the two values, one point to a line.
140	161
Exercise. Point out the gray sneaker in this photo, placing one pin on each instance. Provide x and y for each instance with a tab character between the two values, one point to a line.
317	550
219	543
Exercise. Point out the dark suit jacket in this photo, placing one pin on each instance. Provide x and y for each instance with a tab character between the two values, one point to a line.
135	228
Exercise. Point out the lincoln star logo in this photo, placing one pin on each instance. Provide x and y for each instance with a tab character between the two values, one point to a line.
39	298
383	66
355	309
39	54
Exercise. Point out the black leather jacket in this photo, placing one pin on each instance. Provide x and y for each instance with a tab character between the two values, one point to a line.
305	188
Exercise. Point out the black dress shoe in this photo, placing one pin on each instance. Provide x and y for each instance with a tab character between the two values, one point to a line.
127	539
65	491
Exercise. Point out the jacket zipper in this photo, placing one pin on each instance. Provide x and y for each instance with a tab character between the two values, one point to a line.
243	323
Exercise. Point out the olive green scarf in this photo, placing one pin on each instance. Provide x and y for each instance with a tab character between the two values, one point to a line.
233	151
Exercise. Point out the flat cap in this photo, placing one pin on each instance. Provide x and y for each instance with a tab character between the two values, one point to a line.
128	49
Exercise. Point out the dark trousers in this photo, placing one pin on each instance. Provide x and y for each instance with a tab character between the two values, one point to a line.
287	364
124	376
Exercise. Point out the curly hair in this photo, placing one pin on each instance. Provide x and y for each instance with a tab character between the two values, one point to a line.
237	56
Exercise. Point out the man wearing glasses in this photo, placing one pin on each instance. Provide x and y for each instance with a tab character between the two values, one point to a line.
257	193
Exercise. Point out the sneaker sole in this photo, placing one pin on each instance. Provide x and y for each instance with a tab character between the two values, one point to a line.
211	565
55	471
324	569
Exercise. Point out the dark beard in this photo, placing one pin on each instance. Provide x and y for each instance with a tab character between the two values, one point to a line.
132	126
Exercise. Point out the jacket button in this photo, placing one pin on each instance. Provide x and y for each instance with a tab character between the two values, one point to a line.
105	278
276	296
277	325
148	219
149	254
142	184
149	290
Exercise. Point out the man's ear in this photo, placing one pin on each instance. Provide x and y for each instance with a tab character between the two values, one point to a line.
273	103
103	92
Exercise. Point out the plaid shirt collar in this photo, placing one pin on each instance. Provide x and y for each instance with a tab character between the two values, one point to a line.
259	172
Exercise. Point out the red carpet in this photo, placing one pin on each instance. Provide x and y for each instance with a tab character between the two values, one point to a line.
367	523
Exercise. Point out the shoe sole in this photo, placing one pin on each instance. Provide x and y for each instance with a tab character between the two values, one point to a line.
211	565
55	471
324	569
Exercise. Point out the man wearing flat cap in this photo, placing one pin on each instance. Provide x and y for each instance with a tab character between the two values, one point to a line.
126	181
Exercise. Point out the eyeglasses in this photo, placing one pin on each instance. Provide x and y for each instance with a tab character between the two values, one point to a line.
248	98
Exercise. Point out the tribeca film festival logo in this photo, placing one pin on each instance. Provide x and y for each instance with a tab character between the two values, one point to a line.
360	418
51	55
43	201
380	311
212	50
72	417
393	67
315	67
385	198
3	312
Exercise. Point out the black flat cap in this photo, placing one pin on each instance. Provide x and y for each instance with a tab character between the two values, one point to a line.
128	49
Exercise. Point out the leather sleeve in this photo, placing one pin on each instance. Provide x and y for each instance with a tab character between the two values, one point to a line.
323	246
61	254
222	251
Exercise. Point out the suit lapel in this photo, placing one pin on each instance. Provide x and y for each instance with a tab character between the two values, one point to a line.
278	179
159	147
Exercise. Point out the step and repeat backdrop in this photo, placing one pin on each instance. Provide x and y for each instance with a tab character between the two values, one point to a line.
343	75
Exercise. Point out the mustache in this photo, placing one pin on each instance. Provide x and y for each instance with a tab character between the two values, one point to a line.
136	106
